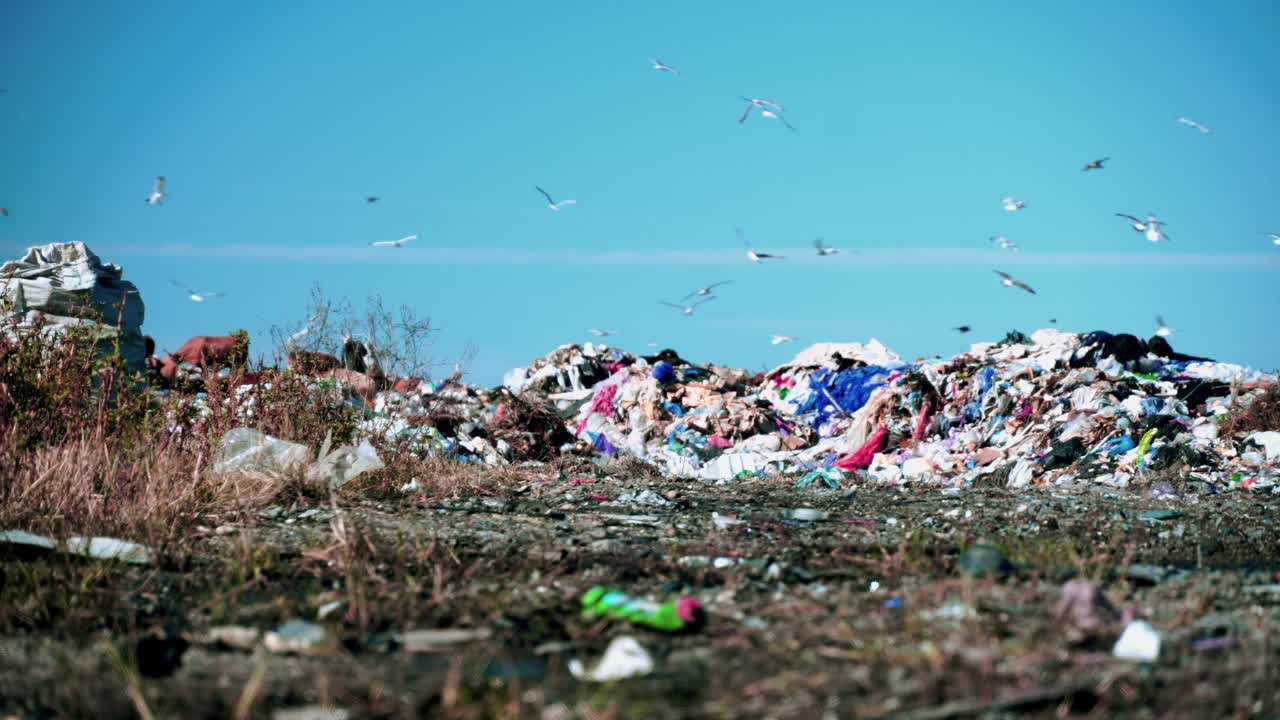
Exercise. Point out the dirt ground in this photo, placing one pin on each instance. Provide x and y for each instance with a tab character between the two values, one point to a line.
874	611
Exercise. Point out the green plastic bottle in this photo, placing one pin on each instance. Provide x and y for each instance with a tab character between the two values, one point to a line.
674	616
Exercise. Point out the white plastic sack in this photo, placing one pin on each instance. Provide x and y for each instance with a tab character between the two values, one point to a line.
70	285
623	659
97	548
245	449
823	354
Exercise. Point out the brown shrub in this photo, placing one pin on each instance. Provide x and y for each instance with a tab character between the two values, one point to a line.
534	430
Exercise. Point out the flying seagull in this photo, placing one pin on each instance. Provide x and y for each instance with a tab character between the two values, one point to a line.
823	249
764	104
705	291
688	309
1192	123
157	195
1151	227
552	203
779	339
768	106
395	243
1012	204
752	255
1275	237
1096	164
602	333
962	329
197	296
663	67
1004	243
775	116
1162	330
1009	282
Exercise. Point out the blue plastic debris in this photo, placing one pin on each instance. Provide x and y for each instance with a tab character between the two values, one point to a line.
664	373
831	477
841	393
1120	445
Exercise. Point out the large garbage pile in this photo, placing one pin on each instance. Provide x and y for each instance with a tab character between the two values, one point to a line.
66	285
1051	409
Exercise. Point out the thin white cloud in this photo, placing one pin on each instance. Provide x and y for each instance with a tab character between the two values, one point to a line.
1155	258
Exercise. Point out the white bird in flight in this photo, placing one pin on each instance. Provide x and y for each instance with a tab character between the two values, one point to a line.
688	309
1012	204
552	203
663	67
752	255
1192	123
197	296
602	333
1151	227
395	243
823	249
705	291
1009	282
1275	238
762	103
1162	330
779	339
775	116
1004	243
765	106
158	194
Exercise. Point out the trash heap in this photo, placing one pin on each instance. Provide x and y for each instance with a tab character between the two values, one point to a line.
68	285
1054	408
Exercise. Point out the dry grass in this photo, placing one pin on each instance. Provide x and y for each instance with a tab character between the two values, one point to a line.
1261	413
88	449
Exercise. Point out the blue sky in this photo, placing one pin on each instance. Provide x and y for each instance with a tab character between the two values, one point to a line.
272	121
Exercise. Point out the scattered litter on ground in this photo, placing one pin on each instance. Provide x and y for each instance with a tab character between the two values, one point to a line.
624	658
1139	642
426	641
299	637
684	613
96	548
